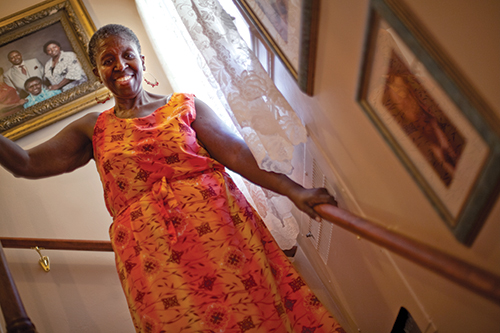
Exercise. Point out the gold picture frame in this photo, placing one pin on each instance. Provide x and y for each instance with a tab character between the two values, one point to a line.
442	130
68	22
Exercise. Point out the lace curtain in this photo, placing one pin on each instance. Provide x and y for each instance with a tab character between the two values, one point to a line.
202	52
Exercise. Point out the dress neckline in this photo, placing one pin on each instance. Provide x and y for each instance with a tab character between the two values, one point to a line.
169	98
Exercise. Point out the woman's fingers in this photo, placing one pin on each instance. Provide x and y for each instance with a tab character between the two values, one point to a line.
323	197
314	197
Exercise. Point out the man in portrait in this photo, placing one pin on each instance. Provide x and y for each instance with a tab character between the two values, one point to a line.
21	70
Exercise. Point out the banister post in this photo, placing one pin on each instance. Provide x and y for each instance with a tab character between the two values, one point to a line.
16	319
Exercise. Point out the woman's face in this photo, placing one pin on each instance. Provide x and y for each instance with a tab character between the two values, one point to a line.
119	66
34	87
53	50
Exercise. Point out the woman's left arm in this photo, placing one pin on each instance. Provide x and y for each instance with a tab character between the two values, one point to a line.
61	84
231	151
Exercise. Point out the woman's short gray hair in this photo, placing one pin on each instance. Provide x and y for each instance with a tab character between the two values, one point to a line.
107	31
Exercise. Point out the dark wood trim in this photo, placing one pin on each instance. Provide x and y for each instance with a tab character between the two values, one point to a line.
469	276
16	318
56	244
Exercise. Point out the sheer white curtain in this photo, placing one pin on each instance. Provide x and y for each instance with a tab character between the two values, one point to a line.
202	52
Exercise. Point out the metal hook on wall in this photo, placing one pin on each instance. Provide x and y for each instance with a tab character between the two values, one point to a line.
44	260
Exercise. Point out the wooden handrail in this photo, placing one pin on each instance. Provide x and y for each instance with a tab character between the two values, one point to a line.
15	316
476	279
469	276
56	244
73	244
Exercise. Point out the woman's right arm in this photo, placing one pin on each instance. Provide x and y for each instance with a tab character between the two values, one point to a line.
66	151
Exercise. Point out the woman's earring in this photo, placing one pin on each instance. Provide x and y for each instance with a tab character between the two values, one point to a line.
150	79
102	99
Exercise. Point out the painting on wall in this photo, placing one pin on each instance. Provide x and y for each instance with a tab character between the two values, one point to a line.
443	132
45	71
290	29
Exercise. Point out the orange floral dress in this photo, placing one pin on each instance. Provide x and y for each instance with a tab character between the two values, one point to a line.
191	253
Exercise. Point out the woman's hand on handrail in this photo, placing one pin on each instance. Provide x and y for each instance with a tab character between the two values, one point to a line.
307	198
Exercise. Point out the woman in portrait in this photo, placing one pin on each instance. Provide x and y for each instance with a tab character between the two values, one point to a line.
63	70
9	99
37	91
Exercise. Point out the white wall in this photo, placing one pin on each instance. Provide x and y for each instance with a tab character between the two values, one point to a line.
370	283
82	292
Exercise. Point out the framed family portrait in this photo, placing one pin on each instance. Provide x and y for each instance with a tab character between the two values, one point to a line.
290	29
45	74
443	132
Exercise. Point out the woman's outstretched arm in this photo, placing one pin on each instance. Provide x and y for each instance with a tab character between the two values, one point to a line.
232	151
69	149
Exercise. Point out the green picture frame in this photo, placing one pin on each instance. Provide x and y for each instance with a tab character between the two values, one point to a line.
442	130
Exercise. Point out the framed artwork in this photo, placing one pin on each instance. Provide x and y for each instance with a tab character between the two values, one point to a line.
290	29
45	73
444	133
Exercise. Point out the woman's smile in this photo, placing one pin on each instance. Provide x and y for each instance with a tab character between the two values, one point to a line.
119	65
124	79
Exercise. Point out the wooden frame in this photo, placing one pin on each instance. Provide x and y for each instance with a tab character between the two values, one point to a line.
292	35
68	22
444	133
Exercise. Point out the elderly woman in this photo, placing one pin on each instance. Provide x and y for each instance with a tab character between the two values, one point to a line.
63	70
191	253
